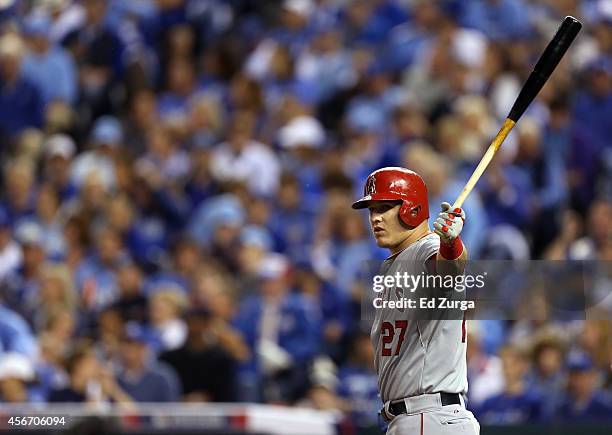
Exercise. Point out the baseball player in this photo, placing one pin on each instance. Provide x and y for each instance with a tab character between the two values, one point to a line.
421	363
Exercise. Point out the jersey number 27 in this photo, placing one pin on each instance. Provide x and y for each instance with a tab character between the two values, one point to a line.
387	332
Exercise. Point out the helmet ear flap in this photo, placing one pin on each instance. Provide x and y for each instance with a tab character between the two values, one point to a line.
410	215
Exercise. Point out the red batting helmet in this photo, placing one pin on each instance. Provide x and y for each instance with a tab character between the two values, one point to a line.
397	184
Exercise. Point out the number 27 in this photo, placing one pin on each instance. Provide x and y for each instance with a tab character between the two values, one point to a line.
387	331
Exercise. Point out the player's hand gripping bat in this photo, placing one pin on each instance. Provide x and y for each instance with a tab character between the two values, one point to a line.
546	64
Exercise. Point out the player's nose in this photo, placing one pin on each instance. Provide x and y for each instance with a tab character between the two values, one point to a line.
375	218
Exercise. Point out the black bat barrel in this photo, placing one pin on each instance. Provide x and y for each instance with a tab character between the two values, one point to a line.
547	63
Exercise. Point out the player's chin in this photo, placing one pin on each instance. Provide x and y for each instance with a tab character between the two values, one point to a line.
381	241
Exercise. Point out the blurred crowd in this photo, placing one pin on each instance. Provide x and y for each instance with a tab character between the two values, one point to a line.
175	219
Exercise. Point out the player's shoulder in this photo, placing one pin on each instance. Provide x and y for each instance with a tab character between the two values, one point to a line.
422	249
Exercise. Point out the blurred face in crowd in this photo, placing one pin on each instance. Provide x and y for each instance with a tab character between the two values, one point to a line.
426	14
514	365
187	257
308	283
47	204
159	142
582	383
13	390
111	326
595	335
143	110
289	194
108	245
33	256
213	291
95	11
10	66
328	42
431	165
245	93
598	219
409	123
57	170
93	193
281	64
38	43
120	213
19	179
241	130
129	280
249	258
5	236
160	311
180	76
292	20
85	369
53	285
62	325
181	41
163	308
360	11
198	329
274	288
549	359
134	354
529	140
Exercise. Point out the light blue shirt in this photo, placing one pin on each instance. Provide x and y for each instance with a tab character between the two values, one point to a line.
54	73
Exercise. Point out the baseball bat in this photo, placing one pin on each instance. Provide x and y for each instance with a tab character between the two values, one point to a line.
554	51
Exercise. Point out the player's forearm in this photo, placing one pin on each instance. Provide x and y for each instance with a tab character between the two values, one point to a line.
451	259
453	250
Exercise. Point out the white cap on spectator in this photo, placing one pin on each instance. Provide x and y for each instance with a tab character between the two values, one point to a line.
469	48
304	8
60	145
604	10
302	130
273	266
14	365
5	4
29	233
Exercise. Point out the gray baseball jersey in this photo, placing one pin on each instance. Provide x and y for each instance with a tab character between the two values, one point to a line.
415	355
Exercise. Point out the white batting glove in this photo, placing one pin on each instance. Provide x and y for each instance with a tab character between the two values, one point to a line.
449	223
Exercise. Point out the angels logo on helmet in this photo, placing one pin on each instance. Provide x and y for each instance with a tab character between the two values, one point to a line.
370	187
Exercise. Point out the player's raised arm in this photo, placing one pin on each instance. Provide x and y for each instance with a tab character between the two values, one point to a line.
448	226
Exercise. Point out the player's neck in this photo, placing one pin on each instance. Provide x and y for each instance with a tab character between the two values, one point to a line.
413	236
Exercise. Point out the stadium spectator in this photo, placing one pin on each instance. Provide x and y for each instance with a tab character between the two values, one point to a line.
131	303
89	382
485	373
141	378
205	369
547	374
166	306
47	64
10	252
16	372
583	400
358	384
281	329
106	137
21	103
518	402
15	334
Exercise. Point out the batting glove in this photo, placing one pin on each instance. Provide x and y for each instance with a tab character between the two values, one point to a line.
449	223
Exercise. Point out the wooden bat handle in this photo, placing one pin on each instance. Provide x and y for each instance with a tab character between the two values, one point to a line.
484	162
